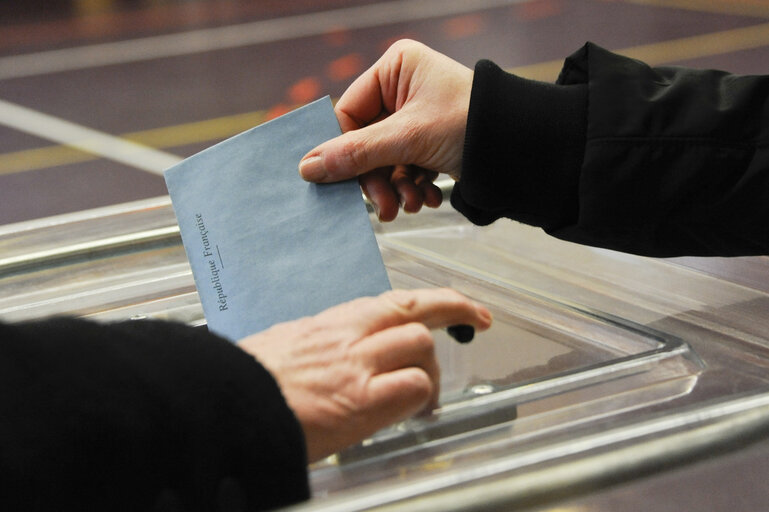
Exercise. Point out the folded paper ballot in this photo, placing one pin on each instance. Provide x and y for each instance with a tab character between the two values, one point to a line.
264	245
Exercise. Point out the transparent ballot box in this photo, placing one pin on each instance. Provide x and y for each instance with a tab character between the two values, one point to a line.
599	367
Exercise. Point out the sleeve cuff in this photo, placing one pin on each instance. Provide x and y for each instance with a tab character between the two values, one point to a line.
523	151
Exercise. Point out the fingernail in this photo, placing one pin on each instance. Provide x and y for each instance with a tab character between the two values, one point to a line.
312	169
485	314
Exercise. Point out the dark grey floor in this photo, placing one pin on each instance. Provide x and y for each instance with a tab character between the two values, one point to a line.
168	92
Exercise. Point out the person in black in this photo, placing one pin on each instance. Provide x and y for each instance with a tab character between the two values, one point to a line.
661	162
158	416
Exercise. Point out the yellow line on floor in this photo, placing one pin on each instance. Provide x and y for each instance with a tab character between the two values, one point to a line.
717	43
199	131
676	50
759	8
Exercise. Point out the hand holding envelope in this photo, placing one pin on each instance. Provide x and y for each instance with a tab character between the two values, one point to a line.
264	245
360	366
404	121
267	248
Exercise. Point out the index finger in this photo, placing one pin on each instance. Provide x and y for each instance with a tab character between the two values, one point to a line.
374	94
362	103
435	307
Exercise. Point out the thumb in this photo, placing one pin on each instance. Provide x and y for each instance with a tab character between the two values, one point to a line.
356	152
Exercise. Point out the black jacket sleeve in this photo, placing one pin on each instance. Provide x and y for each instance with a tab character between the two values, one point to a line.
656	161
140	416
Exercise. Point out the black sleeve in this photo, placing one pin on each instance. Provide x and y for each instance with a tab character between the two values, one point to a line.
656	161
140	416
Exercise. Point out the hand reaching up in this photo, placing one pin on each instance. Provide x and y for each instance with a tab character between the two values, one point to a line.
404	122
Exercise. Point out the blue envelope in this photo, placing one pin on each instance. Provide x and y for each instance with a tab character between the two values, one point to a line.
264	245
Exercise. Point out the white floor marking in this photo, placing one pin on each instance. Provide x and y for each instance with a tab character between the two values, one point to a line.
86	139
233	36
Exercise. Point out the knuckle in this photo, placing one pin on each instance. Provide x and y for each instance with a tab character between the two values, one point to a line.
404	301
354	155
422	338
371	305
313	327
421	386
456	298
307	324
403	45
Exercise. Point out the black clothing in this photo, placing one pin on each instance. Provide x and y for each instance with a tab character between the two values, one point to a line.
140	416
159	416
655	161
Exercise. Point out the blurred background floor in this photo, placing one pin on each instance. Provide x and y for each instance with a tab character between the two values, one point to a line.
97	97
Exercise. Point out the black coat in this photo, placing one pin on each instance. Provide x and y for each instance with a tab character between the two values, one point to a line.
141	416
655	161
160	416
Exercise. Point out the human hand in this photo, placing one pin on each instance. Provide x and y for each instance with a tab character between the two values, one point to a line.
360	366
404	122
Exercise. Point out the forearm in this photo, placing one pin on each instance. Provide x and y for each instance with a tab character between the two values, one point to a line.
674	161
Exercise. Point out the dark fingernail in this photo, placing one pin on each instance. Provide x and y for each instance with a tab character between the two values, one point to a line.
462	333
